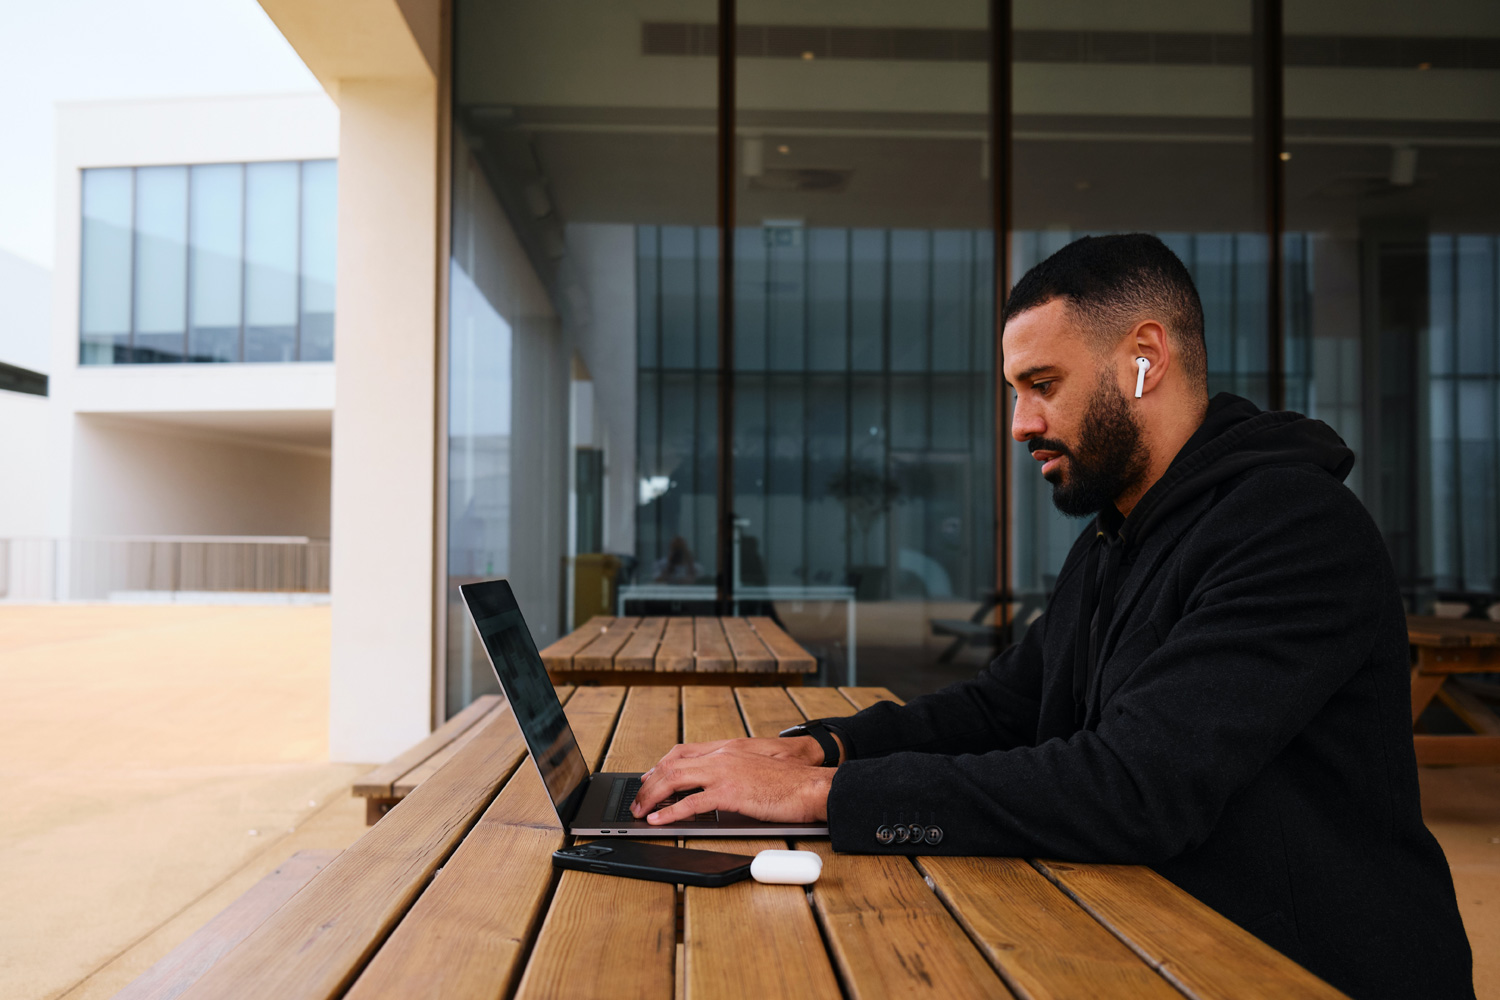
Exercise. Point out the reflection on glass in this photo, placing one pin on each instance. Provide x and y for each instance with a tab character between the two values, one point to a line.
1392	217
271	204
216	237
319	257
1139	120
864	318
104	300
582	312
161	212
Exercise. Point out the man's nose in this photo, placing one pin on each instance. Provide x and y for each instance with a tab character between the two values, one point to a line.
1026	422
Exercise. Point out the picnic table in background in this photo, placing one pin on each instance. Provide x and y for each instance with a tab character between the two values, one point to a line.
453	895
1447	649
713	650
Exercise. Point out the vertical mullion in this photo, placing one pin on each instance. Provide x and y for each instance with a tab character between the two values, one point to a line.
244	260
1270	126
724	493
187	267
1001	37
1455	388
297	320
135	239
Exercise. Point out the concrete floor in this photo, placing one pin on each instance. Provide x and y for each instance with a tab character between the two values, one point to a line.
157	761
160	760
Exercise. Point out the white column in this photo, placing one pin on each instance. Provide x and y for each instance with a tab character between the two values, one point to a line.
383	424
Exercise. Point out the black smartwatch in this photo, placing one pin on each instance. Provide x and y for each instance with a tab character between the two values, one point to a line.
825	739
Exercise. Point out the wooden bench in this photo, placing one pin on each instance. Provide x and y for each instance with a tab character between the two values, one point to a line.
746	652
388	784
1447	648
453	895
182	966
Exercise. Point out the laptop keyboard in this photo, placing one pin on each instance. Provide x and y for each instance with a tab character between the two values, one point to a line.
633	785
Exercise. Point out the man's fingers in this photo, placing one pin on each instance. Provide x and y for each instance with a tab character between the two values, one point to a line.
661	781
680	810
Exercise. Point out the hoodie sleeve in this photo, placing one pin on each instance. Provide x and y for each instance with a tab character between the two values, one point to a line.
995	711
1279	611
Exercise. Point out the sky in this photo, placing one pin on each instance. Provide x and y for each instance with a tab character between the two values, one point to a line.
93	50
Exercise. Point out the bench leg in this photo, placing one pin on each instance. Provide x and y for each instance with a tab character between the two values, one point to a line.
376	808
1424	687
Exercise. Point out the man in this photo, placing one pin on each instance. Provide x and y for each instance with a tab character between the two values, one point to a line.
1219	688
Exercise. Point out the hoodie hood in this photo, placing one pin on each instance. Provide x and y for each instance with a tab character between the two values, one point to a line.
1235	436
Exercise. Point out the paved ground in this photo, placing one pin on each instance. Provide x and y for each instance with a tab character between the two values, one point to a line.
158	761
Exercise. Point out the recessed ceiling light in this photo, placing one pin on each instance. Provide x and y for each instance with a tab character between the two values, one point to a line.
807	55
783	150
1424	65
1286	156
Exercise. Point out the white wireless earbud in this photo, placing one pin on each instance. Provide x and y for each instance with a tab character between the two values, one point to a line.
1141	364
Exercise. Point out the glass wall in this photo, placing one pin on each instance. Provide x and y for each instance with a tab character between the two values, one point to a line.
582	311
875	203
1392	217
208	263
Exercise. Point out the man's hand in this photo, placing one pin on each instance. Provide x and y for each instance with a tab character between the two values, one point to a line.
767	779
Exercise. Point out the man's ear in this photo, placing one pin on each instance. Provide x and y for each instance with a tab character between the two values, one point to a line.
1149	340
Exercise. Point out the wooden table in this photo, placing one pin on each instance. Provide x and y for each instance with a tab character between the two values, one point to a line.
715	650
453	895
1446	649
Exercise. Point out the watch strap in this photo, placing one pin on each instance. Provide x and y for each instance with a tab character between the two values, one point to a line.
825	739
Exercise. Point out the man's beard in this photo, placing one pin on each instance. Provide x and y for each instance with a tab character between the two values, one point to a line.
1110	458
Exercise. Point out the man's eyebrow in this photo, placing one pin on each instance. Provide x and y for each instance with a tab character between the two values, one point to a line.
1028	374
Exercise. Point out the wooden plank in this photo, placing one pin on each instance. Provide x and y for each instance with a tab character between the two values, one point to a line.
772	924
1458	659
1465	750
1474	713
379	782
1429	630
403	785
1044	945
752	941
639	678
767	711
559	655
314	946
750	654
466	935
790	656
180	967
710	648
864	697
1203	953
606	936
821	703
600	654
710	713
640	652
675	654
891	937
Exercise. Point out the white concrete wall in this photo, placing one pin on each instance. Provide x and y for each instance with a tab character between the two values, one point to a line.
384	430
132	478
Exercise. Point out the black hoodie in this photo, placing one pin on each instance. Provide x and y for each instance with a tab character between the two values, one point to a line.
1228	703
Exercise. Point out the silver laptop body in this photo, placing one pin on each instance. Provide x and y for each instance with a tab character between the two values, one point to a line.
587	804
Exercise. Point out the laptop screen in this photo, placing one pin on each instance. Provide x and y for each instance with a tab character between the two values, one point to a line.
532	698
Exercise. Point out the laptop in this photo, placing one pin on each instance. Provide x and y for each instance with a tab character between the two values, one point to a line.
593	805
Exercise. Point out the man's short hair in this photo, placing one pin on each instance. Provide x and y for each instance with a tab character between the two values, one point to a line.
1113	282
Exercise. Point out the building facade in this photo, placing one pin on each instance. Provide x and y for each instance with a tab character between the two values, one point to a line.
702	296
184	440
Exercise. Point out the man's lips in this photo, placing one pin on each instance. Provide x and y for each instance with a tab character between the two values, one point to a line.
1049	459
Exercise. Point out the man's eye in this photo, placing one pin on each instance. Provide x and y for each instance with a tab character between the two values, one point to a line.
1042	388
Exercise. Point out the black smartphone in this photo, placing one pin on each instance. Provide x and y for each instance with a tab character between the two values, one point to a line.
655	862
